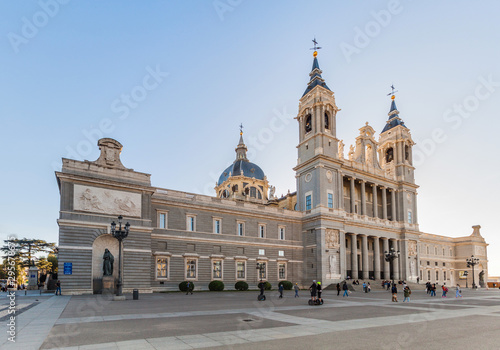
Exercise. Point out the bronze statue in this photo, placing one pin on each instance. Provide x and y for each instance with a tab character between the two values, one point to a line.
107	266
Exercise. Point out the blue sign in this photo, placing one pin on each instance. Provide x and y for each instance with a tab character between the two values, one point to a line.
68	268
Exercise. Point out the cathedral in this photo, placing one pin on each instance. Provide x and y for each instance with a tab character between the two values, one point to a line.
346	214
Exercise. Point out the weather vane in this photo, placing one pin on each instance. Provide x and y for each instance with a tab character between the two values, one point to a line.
316	47
241	129
393	92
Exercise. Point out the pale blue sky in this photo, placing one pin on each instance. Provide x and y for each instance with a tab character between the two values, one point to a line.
64	73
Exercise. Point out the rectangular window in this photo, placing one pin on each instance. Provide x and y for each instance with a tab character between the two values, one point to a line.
281	253
262	270
281	271
281	232
191	268
241	229
262	231
262	252
330	200
409	217
161	267
428	263
162	220
308	202
437	275
240	270
217	225
191	223
217	269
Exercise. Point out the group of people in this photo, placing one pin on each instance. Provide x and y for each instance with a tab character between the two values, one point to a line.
406	293
431	289
316	290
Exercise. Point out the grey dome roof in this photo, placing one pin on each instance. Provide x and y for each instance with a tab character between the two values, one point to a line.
249	170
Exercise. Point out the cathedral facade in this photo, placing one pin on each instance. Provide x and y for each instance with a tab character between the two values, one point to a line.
346	213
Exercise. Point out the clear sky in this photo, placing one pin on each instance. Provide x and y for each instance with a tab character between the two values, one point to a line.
172	80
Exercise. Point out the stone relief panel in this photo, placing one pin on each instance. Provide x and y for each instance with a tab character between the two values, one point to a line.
332	239
105	201
412	248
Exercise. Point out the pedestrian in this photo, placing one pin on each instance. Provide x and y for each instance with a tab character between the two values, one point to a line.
338	289
388	285
280	289
296	287
406	293
433	290
189	288
418	280
458	292
364	287
345	289
313	289
445	290
58	287
394	293
369	287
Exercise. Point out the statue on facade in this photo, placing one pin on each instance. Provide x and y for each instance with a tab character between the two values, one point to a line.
341	149
481	276
107	266
272	190
351	153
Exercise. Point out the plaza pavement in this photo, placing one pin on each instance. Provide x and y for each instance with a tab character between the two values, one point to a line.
236	320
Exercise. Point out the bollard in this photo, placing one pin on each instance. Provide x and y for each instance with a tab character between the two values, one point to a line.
135	294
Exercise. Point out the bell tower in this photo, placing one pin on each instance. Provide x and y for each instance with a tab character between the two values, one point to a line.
395	154
318	161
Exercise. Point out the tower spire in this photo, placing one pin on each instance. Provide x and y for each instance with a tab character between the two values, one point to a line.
241	149
316	78
394	119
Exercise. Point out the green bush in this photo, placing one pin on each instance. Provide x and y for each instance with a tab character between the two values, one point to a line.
267	286
287	285
241	285
183	286
216	286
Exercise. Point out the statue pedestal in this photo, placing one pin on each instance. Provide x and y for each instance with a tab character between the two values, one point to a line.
108	285
33	278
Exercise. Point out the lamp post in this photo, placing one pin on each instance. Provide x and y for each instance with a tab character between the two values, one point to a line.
390	256
120	235
260	267
471	262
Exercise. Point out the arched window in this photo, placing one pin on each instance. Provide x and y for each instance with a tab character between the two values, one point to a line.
389	155
407	152
427	249
259	195
437	275
253	192
327	121
225	194
444	275
308	124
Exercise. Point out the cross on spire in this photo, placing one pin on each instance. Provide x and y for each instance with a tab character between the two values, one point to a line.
393	92
241	129
316	47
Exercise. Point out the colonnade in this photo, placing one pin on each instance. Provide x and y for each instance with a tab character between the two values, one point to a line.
380	270
375	190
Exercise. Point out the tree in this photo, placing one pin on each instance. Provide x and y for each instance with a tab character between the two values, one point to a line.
25	249
44	264
52	258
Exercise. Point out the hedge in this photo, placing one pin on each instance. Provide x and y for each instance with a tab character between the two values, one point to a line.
216	286
241	285
287	285
183	286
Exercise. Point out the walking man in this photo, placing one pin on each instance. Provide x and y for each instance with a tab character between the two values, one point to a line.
458	292
296	287
338	289
280	289
58	287
345	289
394	293
406	293
189	288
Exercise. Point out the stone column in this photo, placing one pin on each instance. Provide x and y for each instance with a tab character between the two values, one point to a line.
384	203
353	201
375	201
363	197
364	256
393	206
341	191
376	257
342	250
387	267
395	262
354	256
